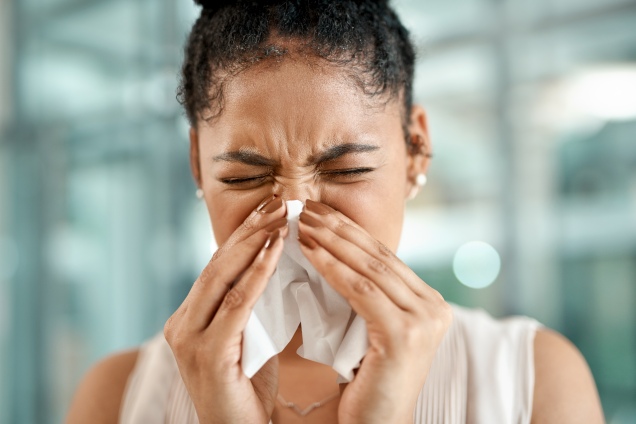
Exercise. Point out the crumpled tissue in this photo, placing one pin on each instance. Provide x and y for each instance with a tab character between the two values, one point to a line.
333	334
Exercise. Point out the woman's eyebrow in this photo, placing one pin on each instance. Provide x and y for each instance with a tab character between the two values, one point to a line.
331	153
339	150
246	157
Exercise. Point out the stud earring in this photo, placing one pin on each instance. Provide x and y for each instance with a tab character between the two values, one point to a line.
420	181
199	193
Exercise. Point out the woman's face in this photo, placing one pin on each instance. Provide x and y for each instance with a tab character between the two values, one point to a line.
305	132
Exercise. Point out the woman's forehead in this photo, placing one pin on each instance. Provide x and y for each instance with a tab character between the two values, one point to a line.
291	82
294	101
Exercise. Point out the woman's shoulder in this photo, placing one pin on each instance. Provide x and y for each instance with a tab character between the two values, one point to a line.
99	395
552	381
564	389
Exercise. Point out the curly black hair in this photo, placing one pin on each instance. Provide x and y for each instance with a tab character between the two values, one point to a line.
363	37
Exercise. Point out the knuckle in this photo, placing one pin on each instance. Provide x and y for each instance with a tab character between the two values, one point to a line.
377	266
233	299
440	317
168	329
362	285
340	226
250	223
329	264
445	314
438	296
384	251
259	267
173	323
216	255
334	238
174	338
208	271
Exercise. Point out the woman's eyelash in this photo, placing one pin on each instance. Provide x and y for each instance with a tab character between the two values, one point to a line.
347	172
231	181
332	173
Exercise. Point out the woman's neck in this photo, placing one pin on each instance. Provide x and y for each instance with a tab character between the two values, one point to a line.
296	370
289	355
305	382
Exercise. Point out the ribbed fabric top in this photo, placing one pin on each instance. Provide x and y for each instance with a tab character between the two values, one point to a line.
483	372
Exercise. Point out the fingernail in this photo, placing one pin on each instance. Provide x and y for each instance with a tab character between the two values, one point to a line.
272	206
279	223
271	240
319	208
310	220
265	203
306	241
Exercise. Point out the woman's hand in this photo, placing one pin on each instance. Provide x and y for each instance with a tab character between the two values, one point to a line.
406	319
205	333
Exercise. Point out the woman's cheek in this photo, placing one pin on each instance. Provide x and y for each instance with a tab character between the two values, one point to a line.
228	211
372	208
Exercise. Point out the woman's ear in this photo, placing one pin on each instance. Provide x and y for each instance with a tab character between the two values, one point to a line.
195	163
419	149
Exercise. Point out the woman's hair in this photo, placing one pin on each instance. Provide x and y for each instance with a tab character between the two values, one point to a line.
363	37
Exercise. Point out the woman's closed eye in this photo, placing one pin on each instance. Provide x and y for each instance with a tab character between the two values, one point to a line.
344	174
244	180
335	175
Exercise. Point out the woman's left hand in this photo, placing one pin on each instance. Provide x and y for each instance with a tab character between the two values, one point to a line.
406	319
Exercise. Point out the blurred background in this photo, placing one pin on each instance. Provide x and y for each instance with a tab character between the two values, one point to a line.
530	206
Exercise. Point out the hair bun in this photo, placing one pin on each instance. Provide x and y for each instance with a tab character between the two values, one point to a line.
214	4
378	2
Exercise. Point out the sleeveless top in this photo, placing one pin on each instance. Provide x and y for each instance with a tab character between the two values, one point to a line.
483	372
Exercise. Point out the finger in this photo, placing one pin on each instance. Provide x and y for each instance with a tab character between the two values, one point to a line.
349	230
234	311
218	276
364	296
268	216
360	261
268	211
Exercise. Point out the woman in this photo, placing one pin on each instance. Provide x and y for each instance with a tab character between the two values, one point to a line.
311	100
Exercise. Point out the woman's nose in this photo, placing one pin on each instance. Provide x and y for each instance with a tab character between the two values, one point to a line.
301	189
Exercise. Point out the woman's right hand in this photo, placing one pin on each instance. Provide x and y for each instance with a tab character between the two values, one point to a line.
205	332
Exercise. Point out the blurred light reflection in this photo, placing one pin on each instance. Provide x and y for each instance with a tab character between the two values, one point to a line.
608	93
476	264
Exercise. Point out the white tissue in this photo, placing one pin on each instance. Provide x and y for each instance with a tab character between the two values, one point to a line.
296	294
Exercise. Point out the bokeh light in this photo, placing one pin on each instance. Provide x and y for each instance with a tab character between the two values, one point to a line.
476	264
607	93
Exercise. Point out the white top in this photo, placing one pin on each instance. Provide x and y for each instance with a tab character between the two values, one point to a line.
483	372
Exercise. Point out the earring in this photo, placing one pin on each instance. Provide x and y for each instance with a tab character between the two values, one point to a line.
420	181
199	193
